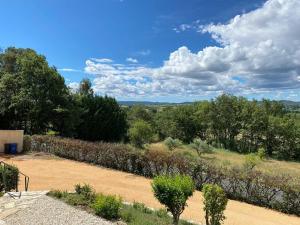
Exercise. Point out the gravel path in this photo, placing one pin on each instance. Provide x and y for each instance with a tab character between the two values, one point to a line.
48	211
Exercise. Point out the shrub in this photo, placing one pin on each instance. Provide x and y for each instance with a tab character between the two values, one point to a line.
173	192
251	161
107	207
172	143
215	202
200	146
140	133
58	194
86	190
242	184
77	200
9	177
261	153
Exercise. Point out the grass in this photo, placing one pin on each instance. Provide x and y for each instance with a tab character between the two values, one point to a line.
136	215
230	158
132	214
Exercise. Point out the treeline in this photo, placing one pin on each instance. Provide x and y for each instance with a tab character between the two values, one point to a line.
230	122
34	97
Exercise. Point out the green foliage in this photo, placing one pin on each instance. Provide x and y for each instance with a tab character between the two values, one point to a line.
137	216
101	119
58	194
261	153
215	202
173	192
140	133
200	146
107	207
86	190
172	143
77	200
9	177
251	161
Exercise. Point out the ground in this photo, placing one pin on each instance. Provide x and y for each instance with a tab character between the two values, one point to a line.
47	172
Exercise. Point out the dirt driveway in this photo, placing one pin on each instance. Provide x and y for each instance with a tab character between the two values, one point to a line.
47	172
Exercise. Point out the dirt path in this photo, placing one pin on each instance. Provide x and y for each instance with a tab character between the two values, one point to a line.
50	173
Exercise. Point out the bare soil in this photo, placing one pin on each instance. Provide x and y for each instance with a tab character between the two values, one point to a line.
47	172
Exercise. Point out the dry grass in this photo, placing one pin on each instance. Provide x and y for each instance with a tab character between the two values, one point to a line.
224	157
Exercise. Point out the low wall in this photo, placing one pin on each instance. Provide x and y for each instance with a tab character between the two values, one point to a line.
11	136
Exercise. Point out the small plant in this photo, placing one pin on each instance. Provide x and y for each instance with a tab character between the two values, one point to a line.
162	213
200	146
107	207
141	207
86	190
58	194
76	200
172	143
251	161
127	217
261	153
173	192
215	202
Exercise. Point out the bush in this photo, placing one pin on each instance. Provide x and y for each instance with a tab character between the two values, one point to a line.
261	153
86	190
173	192
77	200
215	202
140	133
9	177
172	143
251	161
241	184
107	207
58	194
200	146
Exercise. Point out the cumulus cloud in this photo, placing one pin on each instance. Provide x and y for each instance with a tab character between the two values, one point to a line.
258	51
68	70
132	60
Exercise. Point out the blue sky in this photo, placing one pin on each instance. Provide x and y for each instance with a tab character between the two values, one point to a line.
154	50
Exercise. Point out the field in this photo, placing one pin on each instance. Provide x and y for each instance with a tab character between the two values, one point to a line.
229	158
47	172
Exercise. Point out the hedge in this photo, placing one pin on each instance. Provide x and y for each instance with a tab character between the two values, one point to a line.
280	192
9	177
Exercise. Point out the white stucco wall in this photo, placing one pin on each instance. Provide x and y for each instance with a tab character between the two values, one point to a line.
11	136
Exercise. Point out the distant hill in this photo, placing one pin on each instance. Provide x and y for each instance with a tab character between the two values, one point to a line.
287	103
148	103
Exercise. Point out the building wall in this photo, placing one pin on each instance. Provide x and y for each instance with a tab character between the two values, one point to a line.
11	136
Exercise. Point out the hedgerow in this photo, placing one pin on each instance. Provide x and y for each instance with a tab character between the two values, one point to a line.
280	192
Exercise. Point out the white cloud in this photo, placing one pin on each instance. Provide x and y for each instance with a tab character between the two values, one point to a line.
74	86
258	52
144	52
132	60
68	70
102	60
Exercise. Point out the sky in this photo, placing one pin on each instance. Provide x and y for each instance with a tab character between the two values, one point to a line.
164	50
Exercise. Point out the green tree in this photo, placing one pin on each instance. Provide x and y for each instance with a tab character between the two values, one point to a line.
215	202
30	91
173	192
140	133
101	119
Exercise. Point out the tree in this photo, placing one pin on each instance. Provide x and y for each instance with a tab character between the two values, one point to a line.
85	88
200	146
101	119
215	202
140	133
173	192
172	143
30	91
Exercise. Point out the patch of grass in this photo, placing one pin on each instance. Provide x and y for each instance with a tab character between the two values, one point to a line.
137	215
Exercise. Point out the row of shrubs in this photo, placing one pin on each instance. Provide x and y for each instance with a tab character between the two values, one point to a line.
9	177
280	192
112	208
